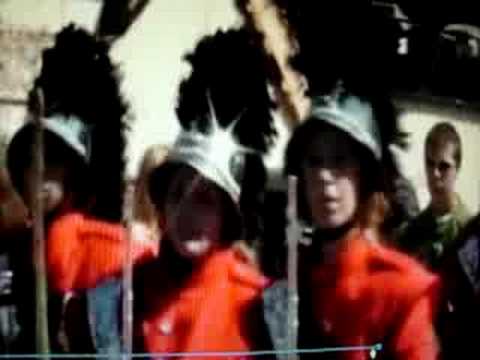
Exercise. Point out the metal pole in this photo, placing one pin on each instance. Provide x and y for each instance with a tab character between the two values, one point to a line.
293	236
127	299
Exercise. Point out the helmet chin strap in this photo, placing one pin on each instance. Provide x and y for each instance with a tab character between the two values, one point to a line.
322	236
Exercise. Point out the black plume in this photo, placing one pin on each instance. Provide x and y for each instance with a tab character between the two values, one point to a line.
345	39
231	69
78	78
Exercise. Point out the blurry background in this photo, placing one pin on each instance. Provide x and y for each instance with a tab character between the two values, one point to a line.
435	72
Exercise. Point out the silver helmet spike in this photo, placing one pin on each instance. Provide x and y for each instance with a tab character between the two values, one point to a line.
215	154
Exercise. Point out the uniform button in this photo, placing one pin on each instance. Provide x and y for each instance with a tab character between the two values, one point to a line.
327	326
165	327
450	307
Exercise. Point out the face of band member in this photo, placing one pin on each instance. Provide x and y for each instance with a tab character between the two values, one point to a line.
441	169
193	214
53	192
331	174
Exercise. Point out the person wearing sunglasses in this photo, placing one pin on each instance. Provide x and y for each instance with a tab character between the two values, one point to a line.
435	229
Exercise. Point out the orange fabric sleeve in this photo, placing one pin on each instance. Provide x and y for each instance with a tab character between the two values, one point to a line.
416	339
81	252
63	252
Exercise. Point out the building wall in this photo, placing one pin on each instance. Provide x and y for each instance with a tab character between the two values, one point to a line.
48	15
26	26
150	60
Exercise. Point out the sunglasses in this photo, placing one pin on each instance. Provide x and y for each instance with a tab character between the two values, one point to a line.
442	166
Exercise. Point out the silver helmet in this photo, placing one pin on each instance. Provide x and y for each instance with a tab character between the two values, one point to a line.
217	155
72	131
350	114
68	129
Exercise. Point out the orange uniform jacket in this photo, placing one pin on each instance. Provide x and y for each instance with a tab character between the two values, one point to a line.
81	252
371	294
211	312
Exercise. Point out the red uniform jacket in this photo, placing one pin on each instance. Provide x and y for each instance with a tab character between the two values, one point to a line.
210	312
81	252
370	294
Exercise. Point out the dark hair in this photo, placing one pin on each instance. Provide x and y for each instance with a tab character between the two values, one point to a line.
442	134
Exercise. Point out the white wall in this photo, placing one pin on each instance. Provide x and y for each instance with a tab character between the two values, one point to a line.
151	60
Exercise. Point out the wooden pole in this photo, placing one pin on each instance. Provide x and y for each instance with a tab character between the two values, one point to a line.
280	46
42	345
